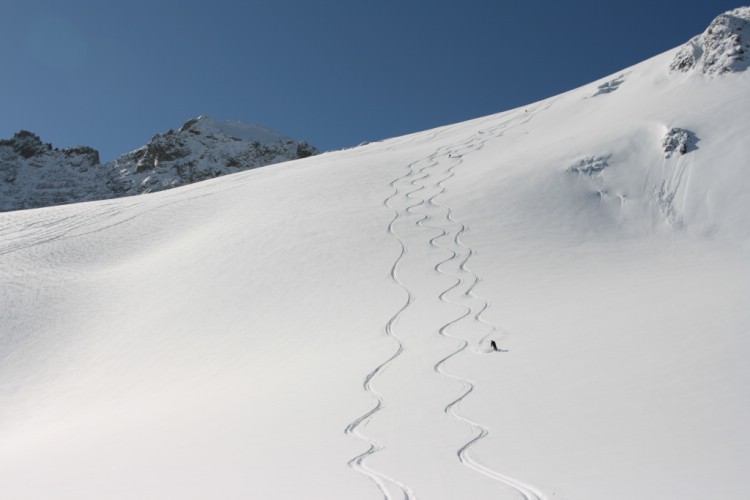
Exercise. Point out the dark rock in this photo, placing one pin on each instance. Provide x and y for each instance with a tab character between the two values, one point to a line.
28	144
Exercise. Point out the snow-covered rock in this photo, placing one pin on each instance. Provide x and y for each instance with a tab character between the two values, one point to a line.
609	86
722	48
678	140
34	174
590	165
202	149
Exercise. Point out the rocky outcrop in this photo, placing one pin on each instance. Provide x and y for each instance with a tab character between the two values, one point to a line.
678	140
202	149
34	174
591	165
722	48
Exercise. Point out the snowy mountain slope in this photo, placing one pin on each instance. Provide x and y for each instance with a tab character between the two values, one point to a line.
320	328
33	174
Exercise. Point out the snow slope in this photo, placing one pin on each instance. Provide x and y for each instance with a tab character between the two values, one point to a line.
320	328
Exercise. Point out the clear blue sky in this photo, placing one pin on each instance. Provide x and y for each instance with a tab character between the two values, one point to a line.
334	72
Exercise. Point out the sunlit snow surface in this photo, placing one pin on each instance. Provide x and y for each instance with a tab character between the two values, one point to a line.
320	328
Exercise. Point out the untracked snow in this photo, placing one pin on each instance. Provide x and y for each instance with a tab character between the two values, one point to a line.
321	328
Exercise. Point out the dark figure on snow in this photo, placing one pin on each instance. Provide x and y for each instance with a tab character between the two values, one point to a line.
493	344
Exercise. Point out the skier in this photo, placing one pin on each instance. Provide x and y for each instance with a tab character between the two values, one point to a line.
494	347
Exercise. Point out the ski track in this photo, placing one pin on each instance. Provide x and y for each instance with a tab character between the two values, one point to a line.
91	219
425	180
357	463
465	282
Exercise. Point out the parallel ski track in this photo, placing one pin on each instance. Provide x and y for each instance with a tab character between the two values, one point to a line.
412	177
459	250
41	228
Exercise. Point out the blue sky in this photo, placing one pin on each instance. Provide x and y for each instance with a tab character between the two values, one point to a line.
111	74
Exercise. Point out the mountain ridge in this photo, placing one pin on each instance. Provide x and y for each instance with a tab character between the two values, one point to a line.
34	174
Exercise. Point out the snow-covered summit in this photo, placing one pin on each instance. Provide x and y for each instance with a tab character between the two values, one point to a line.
720	49
34	174
235	129
201	149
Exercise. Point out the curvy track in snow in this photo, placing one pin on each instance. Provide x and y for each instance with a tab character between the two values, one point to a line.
81	219
462	294
417	189
357	463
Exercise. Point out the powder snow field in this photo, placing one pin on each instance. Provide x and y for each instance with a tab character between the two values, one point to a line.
319	329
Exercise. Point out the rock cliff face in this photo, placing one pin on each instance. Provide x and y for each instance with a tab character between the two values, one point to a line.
722	48
34	174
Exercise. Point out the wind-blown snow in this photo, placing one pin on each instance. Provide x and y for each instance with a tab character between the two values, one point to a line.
320	328
239	130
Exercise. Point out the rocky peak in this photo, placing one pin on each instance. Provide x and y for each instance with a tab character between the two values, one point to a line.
161	147
26	144
85	153
201	149
722	48
34	174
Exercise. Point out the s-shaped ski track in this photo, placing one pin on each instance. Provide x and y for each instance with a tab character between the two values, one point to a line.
465	282
358	463
411	195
